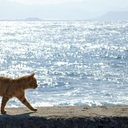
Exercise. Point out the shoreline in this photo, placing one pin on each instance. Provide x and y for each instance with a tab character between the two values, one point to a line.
67	117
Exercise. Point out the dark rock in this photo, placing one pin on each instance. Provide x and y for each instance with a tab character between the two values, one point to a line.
39	122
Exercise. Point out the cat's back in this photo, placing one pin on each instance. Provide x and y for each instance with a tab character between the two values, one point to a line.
4	80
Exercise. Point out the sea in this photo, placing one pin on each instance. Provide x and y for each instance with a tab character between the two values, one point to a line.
76	63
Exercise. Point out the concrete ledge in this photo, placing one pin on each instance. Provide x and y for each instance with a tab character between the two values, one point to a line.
66	117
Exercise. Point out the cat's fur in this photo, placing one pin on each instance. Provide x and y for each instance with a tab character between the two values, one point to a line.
16	88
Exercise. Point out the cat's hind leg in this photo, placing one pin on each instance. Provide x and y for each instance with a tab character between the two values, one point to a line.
3	104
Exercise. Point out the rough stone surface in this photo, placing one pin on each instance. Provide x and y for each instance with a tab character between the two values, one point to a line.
66	117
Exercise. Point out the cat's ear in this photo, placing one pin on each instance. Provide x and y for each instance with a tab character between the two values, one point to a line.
32	74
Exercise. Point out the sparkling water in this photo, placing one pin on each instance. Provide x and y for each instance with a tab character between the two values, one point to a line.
75	62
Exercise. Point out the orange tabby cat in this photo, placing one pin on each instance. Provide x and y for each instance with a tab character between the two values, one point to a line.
16	88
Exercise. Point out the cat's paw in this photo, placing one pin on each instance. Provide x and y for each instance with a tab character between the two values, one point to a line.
3	112
34	109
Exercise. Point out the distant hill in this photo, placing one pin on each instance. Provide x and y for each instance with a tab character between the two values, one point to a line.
27	19
32	19
120	16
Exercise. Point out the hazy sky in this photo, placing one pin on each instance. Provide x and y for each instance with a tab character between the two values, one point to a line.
44	2
59	9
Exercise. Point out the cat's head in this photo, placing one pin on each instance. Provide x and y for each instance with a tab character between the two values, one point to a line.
32	81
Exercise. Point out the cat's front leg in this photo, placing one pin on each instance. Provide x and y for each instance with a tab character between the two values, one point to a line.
26	103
